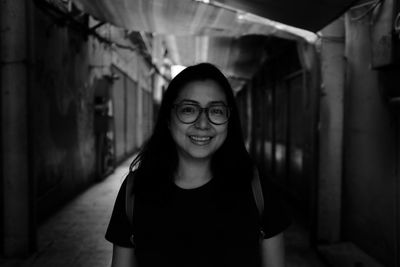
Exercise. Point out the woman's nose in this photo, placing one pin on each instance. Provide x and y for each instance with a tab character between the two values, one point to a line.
202	122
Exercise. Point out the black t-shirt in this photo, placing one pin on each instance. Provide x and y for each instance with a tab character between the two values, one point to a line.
205	226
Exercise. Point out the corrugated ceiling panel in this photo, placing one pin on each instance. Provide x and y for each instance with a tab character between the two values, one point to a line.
164	16
178	17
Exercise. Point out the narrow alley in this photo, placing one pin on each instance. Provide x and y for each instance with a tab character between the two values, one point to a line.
311	91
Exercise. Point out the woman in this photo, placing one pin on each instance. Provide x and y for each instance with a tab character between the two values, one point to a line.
192	185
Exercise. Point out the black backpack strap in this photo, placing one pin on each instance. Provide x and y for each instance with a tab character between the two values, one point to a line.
129	199
258	196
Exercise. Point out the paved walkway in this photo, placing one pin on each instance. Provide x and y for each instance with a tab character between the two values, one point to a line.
75	235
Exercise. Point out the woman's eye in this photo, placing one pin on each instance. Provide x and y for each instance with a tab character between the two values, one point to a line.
188	109
217	111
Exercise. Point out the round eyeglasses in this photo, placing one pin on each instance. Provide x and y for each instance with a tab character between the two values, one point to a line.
189	113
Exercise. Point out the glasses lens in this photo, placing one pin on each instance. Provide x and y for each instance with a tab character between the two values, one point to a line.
218	114
187	113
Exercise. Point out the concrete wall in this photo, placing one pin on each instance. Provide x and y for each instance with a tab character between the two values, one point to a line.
66	68
370	161
62	112
133	112
330	141
16	197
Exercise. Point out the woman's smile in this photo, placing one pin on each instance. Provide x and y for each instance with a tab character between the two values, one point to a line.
200	140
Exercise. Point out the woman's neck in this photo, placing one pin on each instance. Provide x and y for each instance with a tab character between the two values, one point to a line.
192	174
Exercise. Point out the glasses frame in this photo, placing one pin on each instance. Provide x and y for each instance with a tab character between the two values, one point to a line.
206	109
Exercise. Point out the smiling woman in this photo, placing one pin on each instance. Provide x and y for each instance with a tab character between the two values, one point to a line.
192	184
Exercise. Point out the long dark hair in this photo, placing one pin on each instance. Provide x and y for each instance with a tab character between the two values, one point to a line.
158	159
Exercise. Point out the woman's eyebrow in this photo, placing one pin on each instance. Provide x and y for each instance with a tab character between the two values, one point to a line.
218	102
195	102
188	101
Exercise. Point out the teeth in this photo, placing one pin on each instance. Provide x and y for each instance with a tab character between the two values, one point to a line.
200	138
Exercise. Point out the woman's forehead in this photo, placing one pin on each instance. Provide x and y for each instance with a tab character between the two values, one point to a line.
202	92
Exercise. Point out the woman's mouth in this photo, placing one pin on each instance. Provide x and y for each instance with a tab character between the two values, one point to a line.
200	140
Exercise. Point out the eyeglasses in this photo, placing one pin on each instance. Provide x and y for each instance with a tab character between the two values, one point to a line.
189	113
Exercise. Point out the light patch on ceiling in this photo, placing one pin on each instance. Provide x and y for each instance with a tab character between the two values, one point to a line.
248	17
203	1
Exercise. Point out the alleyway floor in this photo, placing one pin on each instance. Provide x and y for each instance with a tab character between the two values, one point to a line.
74	236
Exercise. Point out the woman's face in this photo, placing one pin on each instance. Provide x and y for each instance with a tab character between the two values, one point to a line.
200	139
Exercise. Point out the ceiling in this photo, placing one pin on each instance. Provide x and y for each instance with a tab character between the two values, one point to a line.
181	17
311	15
239	57
228	33
213	17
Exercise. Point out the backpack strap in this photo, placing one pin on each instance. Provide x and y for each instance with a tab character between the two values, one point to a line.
129	200
258	196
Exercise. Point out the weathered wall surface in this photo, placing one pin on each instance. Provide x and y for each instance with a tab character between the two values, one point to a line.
330	133
68	70
133	111
370	151
62	111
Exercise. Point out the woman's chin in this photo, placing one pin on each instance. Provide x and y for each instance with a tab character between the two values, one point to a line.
198	154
